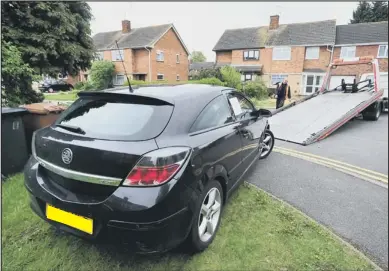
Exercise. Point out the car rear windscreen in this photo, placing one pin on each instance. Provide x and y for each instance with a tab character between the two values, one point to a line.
114	119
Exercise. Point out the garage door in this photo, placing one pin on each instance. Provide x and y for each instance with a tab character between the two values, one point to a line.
337	80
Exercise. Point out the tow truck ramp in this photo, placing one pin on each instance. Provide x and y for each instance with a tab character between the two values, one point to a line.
318	115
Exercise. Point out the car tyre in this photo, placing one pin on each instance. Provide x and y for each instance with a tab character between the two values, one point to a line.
375	115
208	210
268	141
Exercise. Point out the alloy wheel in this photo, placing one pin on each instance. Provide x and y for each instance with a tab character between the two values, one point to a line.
209	214
266	144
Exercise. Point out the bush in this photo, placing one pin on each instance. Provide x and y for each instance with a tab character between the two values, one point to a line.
16	78
208	73
88	85
256	89
101	74
231	77
209	81
79	85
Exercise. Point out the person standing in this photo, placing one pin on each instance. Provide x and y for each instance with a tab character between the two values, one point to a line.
283	91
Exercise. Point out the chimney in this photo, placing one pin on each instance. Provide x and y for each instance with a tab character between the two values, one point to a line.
274	22
126	26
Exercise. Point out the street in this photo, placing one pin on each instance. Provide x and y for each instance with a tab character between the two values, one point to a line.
353	208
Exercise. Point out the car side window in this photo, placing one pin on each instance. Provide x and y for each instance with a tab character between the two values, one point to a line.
240	105
215	114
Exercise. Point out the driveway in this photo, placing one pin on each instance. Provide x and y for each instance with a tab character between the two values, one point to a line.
355	209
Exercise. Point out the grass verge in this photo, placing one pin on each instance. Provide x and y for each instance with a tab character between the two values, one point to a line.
257	233
62	96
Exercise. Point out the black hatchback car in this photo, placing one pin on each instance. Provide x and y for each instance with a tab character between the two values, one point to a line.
55	86
154	167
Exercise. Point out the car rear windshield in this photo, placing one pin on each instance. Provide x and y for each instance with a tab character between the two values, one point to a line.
114	119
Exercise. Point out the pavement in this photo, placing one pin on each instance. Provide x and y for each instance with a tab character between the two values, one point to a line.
355	209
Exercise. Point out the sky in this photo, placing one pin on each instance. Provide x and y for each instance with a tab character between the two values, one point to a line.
201	24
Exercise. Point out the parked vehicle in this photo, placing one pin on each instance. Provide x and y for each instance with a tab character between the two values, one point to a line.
155	166
55	86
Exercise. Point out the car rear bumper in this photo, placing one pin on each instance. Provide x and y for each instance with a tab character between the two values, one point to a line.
148	223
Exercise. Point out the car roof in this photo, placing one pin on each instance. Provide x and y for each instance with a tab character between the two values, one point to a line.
174	93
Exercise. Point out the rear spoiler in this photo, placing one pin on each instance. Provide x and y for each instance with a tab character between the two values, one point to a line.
128	97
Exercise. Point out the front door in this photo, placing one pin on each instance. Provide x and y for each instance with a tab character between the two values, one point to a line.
312	83
250	127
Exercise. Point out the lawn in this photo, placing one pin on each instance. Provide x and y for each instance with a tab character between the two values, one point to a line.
62	96
257	232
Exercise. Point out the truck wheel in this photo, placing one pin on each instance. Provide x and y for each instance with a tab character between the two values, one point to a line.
374	114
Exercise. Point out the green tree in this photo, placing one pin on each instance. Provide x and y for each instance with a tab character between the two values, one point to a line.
16	78
231	77
101	74
380	11
363	13
52	37
370	12
198	56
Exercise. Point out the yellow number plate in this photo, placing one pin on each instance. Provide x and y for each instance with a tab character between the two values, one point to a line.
79	222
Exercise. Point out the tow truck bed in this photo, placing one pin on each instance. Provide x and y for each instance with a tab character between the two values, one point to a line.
316	117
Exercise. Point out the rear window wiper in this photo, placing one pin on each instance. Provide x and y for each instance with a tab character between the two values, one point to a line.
72	128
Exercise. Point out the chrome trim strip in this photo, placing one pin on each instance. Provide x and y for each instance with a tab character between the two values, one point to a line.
79	176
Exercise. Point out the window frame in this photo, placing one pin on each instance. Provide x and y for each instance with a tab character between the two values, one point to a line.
118	53
378	52
237	94
160	53
315	57
177	58
346	49
116	79
233	119
163	76
246	55
282	48
279	75
177	77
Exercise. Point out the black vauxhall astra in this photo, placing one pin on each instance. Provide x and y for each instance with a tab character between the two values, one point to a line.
154	166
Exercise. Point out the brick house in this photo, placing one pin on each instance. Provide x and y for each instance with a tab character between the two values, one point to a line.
150	53
299	52
355	40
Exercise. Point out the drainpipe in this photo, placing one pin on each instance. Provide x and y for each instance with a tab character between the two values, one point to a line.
332	52
149	63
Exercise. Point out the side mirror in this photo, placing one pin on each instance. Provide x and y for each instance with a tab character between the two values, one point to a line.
261	112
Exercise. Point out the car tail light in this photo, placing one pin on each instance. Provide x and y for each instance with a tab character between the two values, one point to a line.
157	167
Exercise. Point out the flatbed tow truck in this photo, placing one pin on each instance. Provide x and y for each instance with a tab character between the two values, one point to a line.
316	116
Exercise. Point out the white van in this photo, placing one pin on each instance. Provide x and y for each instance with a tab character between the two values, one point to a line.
382	84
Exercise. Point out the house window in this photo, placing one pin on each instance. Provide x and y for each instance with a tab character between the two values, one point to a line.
117	55
312	52
382	51
178	77
242	77
160	56
248	77
251	54
281	53
347	52
99	56
160	76
278	78
119	80
177	58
